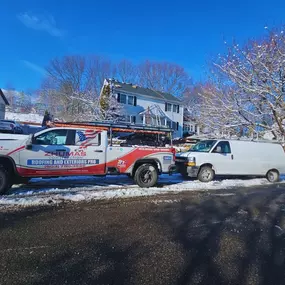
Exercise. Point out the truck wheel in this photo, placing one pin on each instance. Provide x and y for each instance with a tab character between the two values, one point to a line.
5	183
206	174
146	175
272	176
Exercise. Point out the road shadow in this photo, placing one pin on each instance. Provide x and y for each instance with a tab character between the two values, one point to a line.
230	240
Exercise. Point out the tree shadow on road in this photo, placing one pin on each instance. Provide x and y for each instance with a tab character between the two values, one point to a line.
230	240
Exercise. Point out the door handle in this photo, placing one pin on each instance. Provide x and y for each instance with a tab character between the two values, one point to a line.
60	150
98	150
232	156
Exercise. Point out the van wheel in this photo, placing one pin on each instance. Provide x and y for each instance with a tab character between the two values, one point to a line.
272	176
146	175
206	174
5	183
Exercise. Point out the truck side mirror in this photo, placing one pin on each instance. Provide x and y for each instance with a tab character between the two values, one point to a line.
29	143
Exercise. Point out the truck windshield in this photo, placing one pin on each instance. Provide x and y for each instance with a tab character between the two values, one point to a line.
203	146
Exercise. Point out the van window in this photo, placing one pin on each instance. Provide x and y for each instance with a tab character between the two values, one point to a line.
222	147
203	146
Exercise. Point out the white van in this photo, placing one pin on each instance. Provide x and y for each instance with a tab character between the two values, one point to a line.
232	157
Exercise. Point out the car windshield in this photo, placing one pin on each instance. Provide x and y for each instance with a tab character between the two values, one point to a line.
203	146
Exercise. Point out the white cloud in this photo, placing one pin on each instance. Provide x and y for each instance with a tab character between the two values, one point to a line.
34	67
41	23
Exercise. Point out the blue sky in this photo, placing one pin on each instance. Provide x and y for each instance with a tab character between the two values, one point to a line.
186	32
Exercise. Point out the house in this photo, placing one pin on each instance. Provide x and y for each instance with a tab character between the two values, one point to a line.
148	107
3	103
190	125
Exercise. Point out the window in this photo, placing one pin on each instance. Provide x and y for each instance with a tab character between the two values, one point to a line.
176	108
203	146
222	147
123	99
169	124
131	100
168	107
129	119
54	137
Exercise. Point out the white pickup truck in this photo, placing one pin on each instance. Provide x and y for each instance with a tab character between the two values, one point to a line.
70	151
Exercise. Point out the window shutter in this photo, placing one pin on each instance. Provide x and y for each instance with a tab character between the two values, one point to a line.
119	97
135	101
177	108
177	126
165	107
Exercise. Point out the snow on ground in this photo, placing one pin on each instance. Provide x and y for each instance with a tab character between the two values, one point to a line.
32	118
58	190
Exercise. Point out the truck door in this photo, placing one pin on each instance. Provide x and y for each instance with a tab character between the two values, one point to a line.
53	153
93	143
222	159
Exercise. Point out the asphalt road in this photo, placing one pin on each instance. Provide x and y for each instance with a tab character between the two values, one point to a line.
215	237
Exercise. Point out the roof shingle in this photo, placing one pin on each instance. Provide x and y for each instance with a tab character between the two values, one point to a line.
132	88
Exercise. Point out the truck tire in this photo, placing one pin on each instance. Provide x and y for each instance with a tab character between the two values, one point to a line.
5	183
206	174
146	175
272	176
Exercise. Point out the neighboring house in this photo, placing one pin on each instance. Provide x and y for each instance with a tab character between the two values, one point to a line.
3	103
147	106
189	124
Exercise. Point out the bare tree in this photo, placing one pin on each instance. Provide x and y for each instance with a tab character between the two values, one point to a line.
98	69
247	87
164	76
126	71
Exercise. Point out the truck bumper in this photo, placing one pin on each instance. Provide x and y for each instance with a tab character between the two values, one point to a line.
192	171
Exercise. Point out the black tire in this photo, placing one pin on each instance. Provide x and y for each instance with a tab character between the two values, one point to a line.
5	181
206	174
146	175
273	176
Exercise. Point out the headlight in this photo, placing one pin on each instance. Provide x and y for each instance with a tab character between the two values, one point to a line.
191	161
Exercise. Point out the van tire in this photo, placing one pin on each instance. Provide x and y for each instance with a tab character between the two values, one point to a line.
206	174
5	182
146	176
272	176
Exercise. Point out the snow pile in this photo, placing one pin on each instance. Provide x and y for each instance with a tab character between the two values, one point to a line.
112	187
31	117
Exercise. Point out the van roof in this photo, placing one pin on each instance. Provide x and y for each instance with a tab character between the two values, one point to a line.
253	141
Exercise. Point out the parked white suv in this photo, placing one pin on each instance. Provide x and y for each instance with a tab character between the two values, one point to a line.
232	158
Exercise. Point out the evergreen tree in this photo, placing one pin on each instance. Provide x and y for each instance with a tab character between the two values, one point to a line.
105	100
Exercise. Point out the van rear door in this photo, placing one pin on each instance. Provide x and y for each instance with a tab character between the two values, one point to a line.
222	159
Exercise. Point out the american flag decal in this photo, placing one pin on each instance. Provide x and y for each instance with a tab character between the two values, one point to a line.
87	136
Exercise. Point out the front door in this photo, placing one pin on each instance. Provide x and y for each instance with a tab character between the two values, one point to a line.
53	153
222	159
